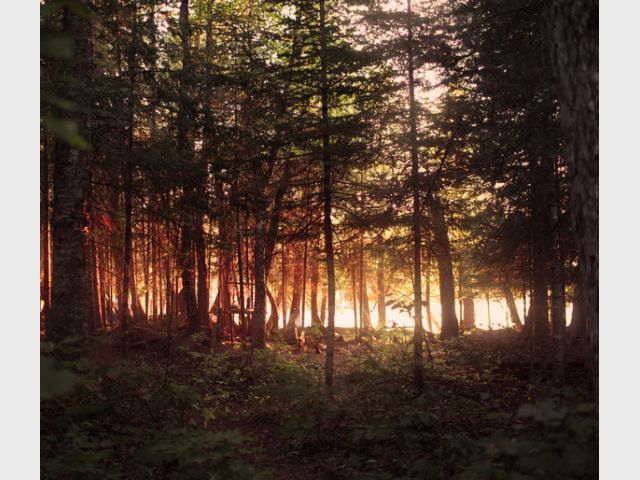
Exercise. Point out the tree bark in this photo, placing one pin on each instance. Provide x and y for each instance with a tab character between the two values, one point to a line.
541	233
259	323
442	249
381	291
186	257
327	198
44	233
314	279
511	305
69	283
427	288
203	271
575	40
469	319
577	328
418	361
291	329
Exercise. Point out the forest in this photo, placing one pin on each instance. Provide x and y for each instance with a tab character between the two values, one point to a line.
319	239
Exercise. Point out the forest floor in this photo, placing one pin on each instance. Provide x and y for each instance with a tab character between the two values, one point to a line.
167	408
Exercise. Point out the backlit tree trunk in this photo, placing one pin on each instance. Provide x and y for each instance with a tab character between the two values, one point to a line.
185	127
382	294
442	250
44	232
418	361
511	305
291	329
314	278
469	319
326	198
259	322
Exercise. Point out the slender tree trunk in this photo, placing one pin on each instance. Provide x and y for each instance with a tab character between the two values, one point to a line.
259	314
365	311
284	286
272	323
323	309
303	299
243	320
558	299
291	329
154	271
326	197
314	278
186	257
95	323
382	294
577	328
102	279
203	271
460	294
44	233
427	288
355	302
128	188
418	361
147	265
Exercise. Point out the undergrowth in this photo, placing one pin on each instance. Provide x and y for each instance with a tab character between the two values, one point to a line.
484	413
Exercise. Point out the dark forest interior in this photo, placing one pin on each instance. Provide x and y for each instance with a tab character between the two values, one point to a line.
319	239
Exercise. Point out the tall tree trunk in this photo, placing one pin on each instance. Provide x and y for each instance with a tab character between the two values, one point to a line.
259	321
95	321
303	298
69	283
154	271
445	270
469	319
284	286
44	232
541	252
574	35
418	361
223	297
243	319
102	279
203	271
272	323
365	311
326	198
147	264
291	329
186	258
125	316
511	305
314	278
427	288
577	328
354	296
558	299
381	291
